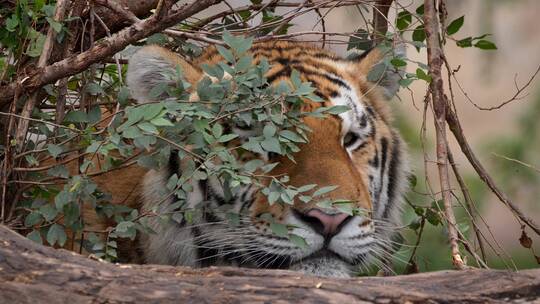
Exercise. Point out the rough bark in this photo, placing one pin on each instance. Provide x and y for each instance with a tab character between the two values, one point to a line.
440	104
31	273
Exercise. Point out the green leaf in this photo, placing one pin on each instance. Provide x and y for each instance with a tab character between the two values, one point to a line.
161	122
291	136
404	20
324	190
54	150
360	40
35	48
455	25
148	127
152	111
433	217
377	72
217	130
269	131
405	82
338	110
32	219
273	197
126	229
227	54
271	145
56	234
48	212
466	42
485	45
305	198
76	116
398	62
132	132
123	96
94	115
253	165
420	10
94	89
63	198
279	229
227	137
346	208
419	34
422	75
298	240
12	23
35	236
306	188
57	26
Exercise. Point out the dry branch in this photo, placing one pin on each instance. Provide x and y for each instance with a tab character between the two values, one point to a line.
22	128
103	49
31	273
455	127
440	105
380	19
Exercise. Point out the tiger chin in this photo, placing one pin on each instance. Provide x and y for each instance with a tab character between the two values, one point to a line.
358	151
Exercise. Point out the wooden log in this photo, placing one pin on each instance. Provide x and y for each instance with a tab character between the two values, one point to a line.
31	273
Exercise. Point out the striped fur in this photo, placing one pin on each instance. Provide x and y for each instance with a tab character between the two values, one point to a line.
357	150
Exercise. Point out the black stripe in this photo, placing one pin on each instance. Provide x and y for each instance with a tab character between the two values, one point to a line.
370	111
285	72
174	163
211	218
392	176
206	256
203	184
330	78
384	155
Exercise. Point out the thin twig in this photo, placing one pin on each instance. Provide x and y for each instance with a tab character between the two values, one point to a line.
455	127
517	161
468	203
516	95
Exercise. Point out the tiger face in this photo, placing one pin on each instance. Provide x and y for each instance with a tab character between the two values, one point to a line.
358	151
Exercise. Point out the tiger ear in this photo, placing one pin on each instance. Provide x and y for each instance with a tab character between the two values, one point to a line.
375	65
154	65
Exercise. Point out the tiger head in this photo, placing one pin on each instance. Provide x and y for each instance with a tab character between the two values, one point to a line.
358	151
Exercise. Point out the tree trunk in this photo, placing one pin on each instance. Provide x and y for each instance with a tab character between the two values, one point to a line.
31	273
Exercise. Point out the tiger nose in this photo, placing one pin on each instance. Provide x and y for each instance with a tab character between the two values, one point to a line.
324	223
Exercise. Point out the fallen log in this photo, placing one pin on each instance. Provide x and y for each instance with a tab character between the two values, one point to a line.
31	273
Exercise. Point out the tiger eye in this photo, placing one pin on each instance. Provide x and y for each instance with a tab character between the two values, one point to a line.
349	139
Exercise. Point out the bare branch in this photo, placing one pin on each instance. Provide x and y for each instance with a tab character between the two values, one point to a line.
380	19
22	127
103	49
440	102
455	127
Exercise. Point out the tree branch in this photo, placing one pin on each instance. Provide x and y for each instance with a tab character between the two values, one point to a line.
31	273
455	127
103	49
440	105
380	20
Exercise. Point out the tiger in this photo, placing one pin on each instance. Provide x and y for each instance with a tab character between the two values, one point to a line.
359	151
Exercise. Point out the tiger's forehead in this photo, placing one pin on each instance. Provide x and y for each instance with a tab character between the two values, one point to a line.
336	80
322	68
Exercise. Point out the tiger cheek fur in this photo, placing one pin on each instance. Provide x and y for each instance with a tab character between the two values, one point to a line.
358	151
